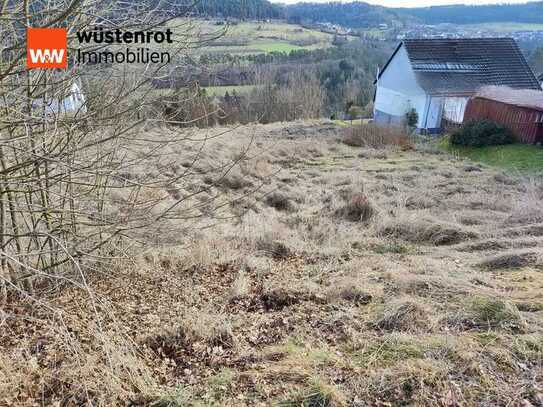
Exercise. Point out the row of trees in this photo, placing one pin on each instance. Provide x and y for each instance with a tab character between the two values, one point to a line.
466	14
241	9
298	96
346	72
536	60
362	15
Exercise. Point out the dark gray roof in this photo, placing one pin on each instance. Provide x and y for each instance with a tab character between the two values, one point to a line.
540	78
462	66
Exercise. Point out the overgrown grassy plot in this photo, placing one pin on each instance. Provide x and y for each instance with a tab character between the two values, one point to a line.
361	274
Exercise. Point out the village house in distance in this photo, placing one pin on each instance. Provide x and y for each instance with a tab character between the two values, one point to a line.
437	77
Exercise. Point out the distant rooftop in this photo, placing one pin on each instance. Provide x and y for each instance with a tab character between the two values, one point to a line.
464	65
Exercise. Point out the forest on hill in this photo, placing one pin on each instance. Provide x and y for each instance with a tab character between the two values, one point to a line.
242	9
353	15
363	15
465	14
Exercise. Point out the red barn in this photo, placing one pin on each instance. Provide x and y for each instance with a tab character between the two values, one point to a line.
520	110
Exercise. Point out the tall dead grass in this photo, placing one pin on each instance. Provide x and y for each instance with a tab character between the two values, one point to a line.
373	136
528	208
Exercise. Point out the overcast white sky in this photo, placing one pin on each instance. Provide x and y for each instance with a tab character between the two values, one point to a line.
414	3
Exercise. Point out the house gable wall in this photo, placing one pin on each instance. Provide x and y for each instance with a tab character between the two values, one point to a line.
398	92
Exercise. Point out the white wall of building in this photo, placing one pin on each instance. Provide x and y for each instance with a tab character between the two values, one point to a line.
398	92
454	109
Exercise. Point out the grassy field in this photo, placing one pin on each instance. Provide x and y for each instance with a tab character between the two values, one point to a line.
521	158
264	37
332	275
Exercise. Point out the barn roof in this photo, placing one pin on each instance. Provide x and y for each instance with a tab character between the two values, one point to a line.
532	99
462	66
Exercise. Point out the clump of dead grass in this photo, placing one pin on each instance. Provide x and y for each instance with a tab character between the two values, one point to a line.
103	369
319	394
348	290
512	261
233	180
528	208
258	265
413	382
373	136
490	313
199	332
273	248
241	287
404	315
279	201
277	298
419	229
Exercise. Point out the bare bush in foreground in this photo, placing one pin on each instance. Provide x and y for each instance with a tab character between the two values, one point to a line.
71	190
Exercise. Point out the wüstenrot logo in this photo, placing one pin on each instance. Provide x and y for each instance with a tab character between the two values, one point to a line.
46	48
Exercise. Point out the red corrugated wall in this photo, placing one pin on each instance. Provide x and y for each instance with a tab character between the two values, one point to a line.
526	123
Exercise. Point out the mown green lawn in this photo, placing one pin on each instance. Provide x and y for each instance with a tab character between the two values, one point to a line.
526	159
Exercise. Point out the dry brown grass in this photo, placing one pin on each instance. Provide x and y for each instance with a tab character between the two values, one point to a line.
431	297
413	227
404	315
373	136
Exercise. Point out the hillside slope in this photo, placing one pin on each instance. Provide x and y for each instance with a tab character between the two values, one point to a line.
364	15
242	9
463	14
337	276
354	15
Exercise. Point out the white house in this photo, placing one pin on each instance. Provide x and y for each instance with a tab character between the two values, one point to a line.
72	102
68	101
436	77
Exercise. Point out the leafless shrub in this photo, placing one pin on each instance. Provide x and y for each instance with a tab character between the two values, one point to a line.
84	196
188	107
371	135
299	97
